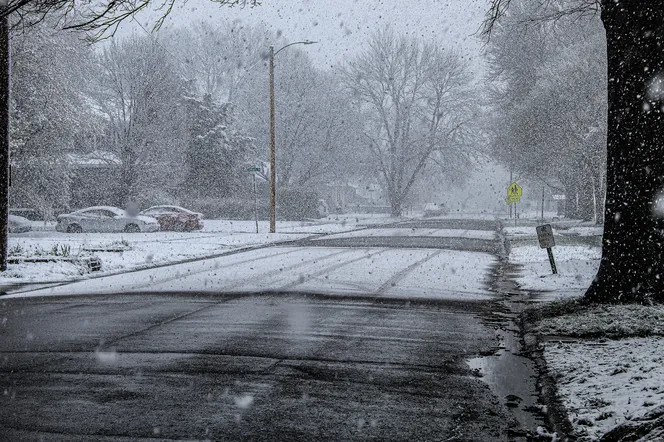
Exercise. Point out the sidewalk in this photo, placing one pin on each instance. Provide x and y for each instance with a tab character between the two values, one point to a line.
605	362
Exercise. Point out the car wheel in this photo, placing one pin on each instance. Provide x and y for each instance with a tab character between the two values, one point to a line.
74	228
132	228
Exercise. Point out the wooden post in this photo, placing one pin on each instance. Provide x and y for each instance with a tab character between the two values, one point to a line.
552	261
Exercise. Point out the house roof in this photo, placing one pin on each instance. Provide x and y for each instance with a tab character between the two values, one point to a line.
97	158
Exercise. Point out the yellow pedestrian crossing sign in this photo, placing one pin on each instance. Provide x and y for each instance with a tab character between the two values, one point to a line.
514	192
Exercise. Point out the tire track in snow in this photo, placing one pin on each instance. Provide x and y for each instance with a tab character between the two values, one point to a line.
329	269
403	273
281	270
220	267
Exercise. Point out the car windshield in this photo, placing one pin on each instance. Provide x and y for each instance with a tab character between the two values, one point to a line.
331	220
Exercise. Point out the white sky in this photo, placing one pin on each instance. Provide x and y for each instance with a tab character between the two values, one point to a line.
343	26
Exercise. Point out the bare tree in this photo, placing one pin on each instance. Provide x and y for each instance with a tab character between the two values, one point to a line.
542	130
417	101
139	92
219	57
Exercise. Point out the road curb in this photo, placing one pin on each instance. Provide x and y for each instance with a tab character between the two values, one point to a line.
556	413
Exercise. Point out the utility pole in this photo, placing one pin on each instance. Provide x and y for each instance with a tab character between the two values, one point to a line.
273	161
273	166
255	202
5	87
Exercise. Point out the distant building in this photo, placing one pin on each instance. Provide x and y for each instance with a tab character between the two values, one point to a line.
354	197
95	178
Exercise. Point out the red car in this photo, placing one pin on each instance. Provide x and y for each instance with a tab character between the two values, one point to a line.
175	218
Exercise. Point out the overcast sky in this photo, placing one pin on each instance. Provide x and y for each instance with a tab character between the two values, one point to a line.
343	26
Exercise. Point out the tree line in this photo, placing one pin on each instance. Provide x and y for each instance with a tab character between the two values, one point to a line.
547	91
185	112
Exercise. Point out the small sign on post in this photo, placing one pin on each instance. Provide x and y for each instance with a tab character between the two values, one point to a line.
255	170
546	241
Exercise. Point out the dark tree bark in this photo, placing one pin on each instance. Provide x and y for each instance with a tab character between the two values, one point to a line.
631	265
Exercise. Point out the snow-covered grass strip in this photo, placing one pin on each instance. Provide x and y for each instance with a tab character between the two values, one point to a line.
599	320
601	384
576	264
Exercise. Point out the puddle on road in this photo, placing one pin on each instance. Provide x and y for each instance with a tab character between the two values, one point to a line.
512	378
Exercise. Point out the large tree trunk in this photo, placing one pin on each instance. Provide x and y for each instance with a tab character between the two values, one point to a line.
395	206
631	265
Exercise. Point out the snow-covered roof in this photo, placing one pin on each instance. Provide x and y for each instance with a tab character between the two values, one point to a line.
115	210
182	209
97	158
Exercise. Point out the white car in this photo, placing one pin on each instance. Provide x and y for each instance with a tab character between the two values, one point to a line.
18	224
105	219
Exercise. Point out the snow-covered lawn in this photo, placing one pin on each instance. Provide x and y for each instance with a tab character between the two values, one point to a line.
576	264
135	250
603	383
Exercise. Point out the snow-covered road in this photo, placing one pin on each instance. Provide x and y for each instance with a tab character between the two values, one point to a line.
407	273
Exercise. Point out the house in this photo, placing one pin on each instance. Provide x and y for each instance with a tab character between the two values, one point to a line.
95	178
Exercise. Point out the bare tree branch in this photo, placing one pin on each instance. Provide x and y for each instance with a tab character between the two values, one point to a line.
101	19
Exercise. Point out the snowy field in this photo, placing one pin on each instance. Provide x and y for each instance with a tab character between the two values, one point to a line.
604	383
576	264
406	273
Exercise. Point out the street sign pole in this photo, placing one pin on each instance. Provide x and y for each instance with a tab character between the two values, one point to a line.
552	261
255	202
515	214
547	241
542	204
253	171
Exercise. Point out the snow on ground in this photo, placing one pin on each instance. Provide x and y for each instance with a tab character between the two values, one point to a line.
408	273
629	320
144	250
409	232
576	264
602	384
331	224
582	231
519	232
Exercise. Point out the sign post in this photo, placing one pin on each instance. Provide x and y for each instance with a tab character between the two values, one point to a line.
546	241
255	170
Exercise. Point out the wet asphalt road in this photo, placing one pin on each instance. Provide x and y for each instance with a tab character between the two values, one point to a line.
248	365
